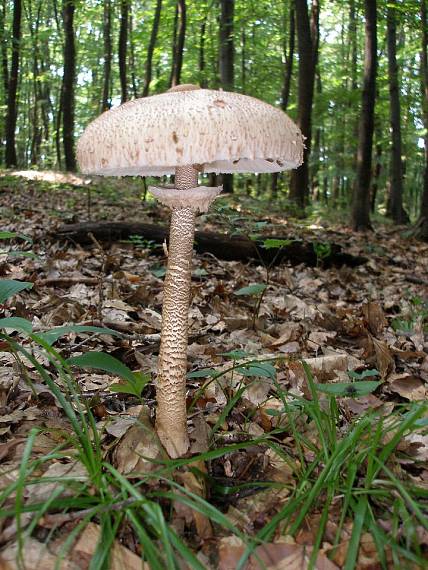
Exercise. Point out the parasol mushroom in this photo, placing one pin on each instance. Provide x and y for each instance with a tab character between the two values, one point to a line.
183	132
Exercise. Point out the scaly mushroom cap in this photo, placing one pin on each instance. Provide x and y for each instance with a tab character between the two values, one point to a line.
218	131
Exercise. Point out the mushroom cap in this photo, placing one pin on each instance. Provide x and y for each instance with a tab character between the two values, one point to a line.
218	131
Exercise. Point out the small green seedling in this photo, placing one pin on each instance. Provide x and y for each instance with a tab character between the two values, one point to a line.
133	382
255	290
322	251
355	389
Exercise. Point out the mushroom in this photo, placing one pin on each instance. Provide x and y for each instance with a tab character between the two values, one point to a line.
183	132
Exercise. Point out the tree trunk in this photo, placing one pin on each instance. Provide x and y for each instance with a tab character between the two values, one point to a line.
151	48
68	82
201	56
12	104
105	103
178	43
376	174
395	204
307	42
36	107
361	199
226	63
289	58
227	48
421	229
4	63
123	45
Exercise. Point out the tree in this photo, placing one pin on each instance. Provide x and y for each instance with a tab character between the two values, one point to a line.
227	62
307	44
286	86
361	196
422	225
151	48
227	48
12	104
395	202
105	102
178	42
123	48
68	81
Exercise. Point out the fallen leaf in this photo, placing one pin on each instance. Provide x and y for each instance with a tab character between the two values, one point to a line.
408	386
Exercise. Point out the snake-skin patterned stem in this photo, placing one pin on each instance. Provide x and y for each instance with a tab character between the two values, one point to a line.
171	414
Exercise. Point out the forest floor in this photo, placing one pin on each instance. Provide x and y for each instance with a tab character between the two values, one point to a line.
292	465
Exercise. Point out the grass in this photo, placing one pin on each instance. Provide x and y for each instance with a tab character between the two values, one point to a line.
344	471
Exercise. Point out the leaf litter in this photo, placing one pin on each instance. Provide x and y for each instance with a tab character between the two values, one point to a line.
338	320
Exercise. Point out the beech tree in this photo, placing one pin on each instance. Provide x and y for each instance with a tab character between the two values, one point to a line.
68	83
361	196
307	44
123	49
12	85
151	48
105	102
178	43
227	62
422	225
395	202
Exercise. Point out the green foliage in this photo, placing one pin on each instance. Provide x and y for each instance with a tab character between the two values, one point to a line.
251	290
10	287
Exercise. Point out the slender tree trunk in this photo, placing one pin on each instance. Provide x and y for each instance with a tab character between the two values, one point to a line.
286	86
178	43
376	175
201	59
4	63
361	198
105	103
12	103
289	58
132	57
36	107
68	85
5	73
151	48
227	48
307	47
123	49
395	204
421	229
227	62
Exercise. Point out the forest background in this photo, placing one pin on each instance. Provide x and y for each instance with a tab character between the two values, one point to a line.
353	74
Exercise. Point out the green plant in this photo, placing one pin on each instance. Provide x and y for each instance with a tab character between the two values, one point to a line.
345	463
104	495
140	242
416	311
132	382
6	235
322	251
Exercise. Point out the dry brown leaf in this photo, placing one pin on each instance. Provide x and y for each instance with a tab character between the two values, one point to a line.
196	486
36	556
121	558
384	360
374	315
273	556
140	445
407	386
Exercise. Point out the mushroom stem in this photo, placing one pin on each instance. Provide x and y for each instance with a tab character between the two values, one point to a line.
171	414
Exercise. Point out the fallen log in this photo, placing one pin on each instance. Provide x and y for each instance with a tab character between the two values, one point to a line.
237	248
